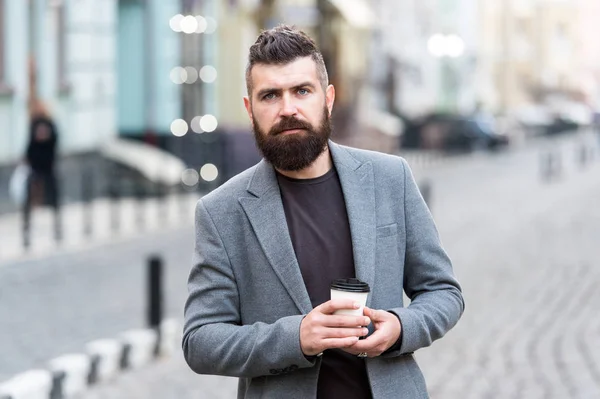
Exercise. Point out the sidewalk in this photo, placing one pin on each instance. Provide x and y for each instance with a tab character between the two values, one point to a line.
97	223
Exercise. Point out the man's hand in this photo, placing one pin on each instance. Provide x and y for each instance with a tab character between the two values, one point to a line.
321	329
387	331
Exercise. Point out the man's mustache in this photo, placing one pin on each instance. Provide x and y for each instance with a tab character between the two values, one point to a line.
289	124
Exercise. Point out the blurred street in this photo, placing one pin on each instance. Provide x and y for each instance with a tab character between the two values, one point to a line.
525	251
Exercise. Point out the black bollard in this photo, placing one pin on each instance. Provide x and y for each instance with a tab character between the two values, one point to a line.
115	199
583	155
183	201
161	202
155	297
425	188
94	365
58	379
551	165
140	214
86	196
124	362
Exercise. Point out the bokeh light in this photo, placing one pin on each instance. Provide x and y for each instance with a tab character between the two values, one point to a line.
190	177
175	23
455	46
195	124
208	74
208	123
209	172
178	75
436	45
192	75
211	25
202	24
179	127
189	24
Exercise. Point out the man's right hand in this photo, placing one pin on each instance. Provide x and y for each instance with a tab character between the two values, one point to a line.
321	329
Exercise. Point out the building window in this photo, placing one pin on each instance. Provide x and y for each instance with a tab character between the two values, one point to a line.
61	45
2	43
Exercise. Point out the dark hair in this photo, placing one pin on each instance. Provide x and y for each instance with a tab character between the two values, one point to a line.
282	45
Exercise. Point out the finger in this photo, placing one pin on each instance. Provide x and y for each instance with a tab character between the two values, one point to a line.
337	304
370	344
345	321
343	332
374	315
336	343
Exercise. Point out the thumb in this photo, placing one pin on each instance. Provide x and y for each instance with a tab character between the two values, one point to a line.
373	314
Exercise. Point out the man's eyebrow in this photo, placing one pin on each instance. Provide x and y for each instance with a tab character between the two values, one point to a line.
305	84
266	91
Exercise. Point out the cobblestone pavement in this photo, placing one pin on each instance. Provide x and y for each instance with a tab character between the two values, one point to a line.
56	304
524	250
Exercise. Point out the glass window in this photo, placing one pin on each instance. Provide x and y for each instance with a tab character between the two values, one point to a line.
61	44
2	43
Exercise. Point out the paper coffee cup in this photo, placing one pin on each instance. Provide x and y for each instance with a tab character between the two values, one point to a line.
351	288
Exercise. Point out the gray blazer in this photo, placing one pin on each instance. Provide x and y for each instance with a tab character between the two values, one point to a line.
247	297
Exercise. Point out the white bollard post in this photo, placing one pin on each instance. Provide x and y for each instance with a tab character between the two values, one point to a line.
33	384
142	344
76	368
109	355
170	336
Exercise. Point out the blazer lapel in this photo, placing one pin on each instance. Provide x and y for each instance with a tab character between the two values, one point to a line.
358	187
265	211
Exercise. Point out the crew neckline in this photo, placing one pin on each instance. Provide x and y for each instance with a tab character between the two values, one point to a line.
314	180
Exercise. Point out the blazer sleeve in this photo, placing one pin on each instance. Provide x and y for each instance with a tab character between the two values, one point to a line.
214	339
436	297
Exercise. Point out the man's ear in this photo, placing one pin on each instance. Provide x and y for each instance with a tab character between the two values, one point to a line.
248	106
330	98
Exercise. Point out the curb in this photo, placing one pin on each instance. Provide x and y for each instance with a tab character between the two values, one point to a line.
71	375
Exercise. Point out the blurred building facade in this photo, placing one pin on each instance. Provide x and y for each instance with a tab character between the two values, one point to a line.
71	45
423	56
101	67
537	52
172	70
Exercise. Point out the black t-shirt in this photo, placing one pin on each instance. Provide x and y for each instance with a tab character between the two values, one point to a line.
318	224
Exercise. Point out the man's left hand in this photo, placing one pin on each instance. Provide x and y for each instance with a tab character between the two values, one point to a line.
387	331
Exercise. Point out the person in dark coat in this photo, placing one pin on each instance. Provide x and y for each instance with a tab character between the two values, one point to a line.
42	187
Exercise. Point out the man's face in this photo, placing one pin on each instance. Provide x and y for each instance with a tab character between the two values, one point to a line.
290	113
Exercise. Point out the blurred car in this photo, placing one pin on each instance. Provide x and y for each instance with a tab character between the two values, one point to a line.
452	132
467	134
560	125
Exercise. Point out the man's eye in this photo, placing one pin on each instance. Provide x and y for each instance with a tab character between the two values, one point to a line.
269	96
303	92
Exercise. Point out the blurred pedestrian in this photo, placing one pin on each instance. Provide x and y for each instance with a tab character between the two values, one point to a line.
270	241
42	186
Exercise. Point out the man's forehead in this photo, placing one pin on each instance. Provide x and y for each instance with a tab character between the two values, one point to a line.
301	70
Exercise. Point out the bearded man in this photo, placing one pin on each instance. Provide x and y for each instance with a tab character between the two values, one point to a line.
271	240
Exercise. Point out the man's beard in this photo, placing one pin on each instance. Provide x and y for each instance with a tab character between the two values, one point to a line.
295	151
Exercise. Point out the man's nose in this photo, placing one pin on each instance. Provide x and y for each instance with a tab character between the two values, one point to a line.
288	106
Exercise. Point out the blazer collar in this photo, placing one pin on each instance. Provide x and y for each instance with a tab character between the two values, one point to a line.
265	211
